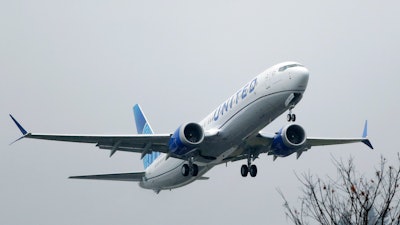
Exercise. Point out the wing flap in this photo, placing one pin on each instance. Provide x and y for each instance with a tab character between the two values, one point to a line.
113	177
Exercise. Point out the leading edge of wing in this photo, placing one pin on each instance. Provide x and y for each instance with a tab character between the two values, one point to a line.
113	177
97	138
91	138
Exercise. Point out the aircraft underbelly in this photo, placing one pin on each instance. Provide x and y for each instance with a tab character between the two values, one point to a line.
169	176
248	122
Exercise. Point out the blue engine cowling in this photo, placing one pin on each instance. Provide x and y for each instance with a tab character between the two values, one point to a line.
288	140
187	137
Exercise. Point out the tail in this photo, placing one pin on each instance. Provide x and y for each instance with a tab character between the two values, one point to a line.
143	127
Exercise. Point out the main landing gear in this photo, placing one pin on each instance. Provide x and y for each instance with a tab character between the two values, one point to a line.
249	168
245	169
190	168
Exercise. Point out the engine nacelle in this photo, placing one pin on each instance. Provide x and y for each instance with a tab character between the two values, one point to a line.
187	137
288	140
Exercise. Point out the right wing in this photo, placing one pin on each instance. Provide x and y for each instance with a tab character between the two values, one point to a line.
139	143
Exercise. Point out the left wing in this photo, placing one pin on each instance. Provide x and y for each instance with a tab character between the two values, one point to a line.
114	177
263	143
322	141
140	143
335	141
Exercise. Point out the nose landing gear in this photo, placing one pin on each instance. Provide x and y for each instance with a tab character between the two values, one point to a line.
291	117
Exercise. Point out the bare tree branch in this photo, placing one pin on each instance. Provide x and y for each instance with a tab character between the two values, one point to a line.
351	198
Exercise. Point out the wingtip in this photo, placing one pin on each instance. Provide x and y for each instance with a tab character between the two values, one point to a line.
365	131
23	131
365	134
368	143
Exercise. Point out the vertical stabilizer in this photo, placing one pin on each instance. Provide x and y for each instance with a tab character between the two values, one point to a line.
143	127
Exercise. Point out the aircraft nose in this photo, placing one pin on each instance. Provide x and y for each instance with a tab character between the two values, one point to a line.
300	76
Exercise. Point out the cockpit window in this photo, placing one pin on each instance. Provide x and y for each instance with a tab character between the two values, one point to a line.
283	68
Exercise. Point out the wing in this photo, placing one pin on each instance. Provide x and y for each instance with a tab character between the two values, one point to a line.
263	143
336	141
119	177
140	143
113	177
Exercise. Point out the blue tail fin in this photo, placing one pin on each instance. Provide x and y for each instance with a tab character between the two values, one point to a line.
143	127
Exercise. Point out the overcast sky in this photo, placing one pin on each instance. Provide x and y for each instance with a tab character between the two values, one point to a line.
80	66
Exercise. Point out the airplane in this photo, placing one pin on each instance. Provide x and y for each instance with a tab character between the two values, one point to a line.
229	133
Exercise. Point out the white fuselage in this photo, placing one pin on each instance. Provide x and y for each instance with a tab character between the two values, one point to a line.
244	114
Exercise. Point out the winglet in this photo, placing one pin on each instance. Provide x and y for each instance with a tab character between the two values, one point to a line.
365	134
368	143
23	131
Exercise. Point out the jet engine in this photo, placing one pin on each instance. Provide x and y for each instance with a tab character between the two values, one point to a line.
186	138
288	140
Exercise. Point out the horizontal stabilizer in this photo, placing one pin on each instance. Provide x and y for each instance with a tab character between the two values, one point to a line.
113	177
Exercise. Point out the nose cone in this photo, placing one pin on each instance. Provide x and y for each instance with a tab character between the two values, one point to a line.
300	75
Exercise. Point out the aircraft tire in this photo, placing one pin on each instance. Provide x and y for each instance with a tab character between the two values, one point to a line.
244	170
291	117
195	170
253	171
185	170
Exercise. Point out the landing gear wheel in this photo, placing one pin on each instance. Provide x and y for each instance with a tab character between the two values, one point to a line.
253	170
185	170
244	170
291	117
195	170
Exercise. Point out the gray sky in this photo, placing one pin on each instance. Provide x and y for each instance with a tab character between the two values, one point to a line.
79	67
